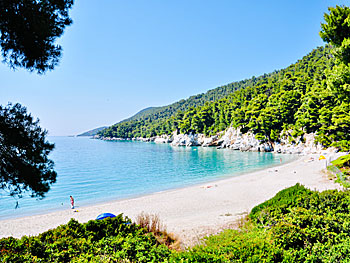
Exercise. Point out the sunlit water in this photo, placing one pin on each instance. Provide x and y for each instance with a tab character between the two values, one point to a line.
95	171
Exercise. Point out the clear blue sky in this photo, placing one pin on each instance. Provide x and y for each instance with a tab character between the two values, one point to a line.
122	56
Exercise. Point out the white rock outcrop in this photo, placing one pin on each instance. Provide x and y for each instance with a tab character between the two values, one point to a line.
162	139
234	139
185	140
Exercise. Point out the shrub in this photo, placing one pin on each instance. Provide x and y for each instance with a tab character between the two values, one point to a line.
297	225
153	224
111	239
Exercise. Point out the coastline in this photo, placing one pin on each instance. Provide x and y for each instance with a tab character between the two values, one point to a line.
222	164
194	211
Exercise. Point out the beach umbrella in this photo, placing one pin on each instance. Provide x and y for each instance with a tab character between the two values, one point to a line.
104	215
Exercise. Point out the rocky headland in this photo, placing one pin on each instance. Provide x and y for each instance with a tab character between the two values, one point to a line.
236	140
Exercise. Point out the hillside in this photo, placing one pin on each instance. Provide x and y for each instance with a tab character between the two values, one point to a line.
157	114
141	114
92	132
280	100
310	96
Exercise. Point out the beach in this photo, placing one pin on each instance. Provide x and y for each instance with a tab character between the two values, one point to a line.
195	211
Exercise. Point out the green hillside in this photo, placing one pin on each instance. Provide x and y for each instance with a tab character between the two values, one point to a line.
92	132
160	114
142	113
227	105
310	96
156	113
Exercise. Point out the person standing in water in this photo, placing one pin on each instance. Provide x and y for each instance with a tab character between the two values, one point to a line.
72	202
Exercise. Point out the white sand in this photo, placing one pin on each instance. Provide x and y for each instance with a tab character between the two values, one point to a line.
194	211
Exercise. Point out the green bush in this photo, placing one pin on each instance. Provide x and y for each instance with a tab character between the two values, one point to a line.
111	239
297	225
285	199
343	163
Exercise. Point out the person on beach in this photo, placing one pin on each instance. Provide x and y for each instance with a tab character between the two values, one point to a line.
72	202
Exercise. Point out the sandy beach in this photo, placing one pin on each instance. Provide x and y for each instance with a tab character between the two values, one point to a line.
195	211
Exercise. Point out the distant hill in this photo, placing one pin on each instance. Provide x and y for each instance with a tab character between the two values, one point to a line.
155	113
92	132
142	113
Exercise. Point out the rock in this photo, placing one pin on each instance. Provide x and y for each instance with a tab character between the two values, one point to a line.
234	147
185	140
163	139
244	148
235	140
206	142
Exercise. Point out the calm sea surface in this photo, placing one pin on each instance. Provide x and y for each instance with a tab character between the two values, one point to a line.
95	171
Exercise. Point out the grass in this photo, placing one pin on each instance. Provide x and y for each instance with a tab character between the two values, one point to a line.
343	163
152	223
341	168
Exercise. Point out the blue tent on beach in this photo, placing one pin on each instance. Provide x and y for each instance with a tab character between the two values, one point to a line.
104	215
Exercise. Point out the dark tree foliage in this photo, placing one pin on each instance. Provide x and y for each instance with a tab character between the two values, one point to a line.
336	28
24	163
28	30
336	31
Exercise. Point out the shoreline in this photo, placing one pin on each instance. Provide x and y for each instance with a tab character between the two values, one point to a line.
194	211
206	180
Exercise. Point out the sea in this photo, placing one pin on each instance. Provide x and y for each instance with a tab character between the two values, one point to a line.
95	171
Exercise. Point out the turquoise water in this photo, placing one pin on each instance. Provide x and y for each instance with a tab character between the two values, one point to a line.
95	171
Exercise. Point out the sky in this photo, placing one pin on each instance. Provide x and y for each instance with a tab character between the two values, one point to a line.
122	56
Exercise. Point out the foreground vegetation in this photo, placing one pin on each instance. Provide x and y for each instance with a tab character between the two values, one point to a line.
297	225
343	163
108	240
340	170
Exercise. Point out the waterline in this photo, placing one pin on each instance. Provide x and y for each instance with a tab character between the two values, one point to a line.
95	171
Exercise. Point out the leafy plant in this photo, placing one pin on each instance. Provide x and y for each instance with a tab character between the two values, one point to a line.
111	239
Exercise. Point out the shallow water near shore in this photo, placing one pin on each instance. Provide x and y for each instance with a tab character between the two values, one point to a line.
95	171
